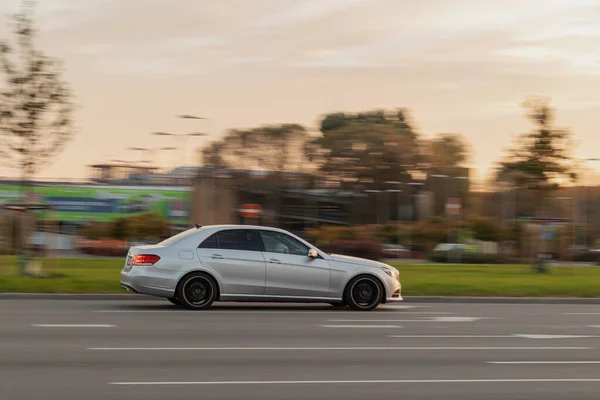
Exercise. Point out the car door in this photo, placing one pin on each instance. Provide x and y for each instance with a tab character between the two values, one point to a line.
236	256
290	271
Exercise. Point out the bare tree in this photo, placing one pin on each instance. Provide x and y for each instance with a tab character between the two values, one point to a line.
35	102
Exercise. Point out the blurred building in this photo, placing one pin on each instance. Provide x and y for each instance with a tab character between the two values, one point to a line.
188	195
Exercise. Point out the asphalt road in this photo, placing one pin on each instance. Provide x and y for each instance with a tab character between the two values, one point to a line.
66	349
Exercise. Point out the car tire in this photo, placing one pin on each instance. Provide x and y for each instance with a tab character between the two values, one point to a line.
363	293
174	301
197	291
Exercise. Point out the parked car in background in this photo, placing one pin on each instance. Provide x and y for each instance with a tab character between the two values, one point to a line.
395	251
450	247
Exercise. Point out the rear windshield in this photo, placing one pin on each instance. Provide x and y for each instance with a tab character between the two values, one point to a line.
180	236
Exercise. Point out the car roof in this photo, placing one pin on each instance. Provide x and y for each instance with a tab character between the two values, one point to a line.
220	227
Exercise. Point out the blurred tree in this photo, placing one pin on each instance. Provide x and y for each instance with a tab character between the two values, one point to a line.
119	229
146	226
367	149
35	102
447	150
280	148
142	226
486	229
96	231
541	159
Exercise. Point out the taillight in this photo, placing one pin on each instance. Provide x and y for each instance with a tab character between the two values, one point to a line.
145	260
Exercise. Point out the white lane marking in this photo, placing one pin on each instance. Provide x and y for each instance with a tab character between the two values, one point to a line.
345	382
73	325
225	312
554	336
401	307
459	319
362	326
542	362
582	313
450	336
369	320
428	312
524	336
321	348
594	326
430	319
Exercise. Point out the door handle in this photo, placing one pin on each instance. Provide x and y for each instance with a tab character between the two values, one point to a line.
217	256
274	261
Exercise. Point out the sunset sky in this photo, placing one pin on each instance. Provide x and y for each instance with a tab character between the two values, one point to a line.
460	66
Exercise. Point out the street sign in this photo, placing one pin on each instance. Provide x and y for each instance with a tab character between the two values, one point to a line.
251	210
453	206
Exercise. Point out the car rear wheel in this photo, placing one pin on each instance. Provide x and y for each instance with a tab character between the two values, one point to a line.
174	300
197	291
363	293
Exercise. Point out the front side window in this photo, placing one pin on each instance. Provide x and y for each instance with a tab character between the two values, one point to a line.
239	239
277	242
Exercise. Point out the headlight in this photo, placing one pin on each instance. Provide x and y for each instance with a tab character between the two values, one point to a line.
392	272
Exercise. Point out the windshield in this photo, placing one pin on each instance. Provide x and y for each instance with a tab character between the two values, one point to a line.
180	236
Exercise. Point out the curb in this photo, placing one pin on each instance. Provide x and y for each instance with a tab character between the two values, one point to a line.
407	299
501	300
74	296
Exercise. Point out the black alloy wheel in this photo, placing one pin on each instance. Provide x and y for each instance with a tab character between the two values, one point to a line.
197	291
364	293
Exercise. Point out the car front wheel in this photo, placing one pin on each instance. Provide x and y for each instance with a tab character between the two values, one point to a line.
197	291
174	300
363	293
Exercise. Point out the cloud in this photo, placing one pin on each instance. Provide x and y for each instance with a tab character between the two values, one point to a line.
149	67
305	10
187	43
94	49
251	60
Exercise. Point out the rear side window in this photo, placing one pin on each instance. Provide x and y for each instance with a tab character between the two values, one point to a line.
234	239
210	243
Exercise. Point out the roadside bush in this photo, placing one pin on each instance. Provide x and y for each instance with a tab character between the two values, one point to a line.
355	248
136	227
466	257
588	256
106	248
328	234
486	229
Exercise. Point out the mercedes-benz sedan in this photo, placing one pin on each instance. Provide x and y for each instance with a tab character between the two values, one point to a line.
254	263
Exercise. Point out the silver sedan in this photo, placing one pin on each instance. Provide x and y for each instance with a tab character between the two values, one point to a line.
254	263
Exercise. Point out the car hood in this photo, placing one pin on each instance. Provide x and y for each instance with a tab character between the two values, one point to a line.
357	261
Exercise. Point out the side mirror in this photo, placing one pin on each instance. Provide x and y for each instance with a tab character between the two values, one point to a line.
312	253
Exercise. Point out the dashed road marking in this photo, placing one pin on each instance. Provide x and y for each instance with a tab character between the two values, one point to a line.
355	382
352	348
73	326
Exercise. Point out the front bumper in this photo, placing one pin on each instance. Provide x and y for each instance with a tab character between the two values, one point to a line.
393	290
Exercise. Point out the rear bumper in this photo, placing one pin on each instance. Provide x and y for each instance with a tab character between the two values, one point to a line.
148	280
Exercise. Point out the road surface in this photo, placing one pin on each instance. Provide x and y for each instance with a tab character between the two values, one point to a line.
66	349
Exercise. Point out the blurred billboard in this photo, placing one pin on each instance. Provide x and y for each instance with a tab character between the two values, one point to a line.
93	203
